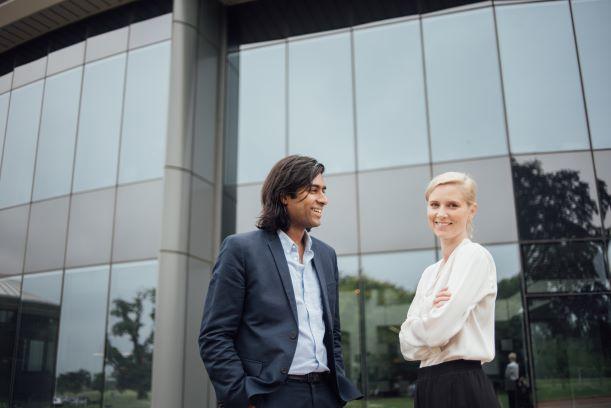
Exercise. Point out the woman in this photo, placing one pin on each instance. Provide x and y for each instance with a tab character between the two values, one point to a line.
450	323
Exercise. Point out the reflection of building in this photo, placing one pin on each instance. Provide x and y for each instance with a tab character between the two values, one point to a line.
135	134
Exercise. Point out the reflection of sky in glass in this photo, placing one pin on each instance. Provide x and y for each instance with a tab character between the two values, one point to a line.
4	99
507	260
391	118
81	333
42	287
464	88
262	111
593	33
542	89
348	266
320	101
402	269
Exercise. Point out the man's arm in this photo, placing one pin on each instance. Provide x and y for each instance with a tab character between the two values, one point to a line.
220	323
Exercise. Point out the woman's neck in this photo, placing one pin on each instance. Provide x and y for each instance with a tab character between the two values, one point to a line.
449	245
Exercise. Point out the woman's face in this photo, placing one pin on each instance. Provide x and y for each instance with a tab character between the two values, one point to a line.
448	213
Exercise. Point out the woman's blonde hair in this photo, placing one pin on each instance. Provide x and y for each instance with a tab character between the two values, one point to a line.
462	180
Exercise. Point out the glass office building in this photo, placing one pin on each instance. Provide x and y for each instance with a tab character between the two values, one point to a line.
135	136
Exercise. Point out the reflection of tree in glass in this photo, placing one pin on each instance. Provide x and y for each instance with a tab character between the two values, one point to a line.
388	293
74	381
132	371
558	205
605	201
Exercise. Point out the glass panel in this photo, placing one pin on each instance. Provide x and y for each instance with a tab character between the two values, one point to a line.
99	124
571	344
555	196
39	321
391	118
4	102
145	113
56	142
90	229
47	237
320	101
80	354
350	316
10	291
391	203
565	267
248	207
464	90
339	220
138	221
602	161
495	221
20	145
509	333
129	353
262	110
204	153
593	33
13	229
542	88
390	282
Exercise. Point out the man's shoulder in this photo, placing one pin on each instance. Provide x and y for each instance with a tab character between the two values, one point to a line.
248	238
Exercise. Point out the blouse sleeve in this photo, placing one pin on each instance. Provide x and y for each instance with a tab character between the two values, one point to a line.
471	279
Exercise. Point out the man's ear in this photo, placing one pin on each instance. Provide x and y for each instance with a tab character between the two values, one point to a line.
284	200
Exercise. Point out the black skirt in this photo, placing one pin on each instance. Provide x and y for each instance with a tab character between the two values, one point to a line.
454	384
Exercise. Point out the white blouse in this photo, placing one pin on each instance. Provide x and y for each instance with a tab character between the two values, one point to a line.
463	327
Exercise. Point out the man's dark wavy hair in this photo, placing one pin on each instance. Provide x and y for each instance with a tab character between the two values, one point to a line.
288	177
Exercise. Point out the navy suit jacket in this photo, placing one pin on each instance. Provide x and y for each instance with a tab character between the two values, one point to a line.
249	329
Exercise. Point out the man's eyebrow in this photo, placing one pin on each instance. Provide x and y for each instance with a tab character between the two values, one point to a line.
313	185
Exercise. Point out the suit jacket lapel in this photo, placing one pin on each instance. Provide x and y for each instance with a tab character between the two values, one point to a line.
318	267
275	247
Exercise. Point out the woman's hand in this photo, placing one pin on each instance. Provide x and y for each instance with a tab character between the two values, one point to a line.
442	296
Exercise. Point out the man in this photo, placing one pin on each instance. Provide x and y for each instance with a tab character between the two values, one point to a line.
270	335
512	373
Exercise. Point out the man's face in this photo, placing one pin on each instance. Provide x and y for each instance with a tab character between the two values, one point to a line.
305	210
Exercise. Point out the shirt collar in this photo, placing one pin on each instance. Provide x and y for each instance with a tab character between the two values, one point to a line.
288	244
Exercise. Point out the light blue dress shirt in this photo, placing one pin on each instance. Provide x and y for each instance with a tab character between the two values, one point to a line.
310	354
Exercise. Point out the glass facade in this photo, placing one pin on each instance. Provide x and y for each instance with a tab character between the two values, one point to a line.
387	105
83	142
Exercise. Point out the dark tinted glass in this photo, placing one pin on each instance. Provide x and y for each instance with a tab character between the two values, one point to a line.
10	289
571	343
39	322
556	196
602	160
565	267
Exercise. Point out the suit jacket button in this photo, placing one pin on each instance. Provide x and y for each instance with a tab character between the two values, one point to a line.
284	371
293	335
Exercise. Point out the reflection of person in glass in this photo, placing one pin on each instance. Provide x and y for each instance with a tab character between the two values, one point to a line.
270	335
512	373
450	323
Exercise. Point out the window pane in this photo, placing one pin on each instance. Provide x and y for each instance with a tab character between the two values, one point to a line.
320	101
495	220
350	315
99	124
391	118
542	89
571	343
4	102
55	157
390	285
555	196
47	236
602	161
391	203
10	288
565	267
262	110
593	33
508	328
130	334
20	145
145	113
90	229
464	91
39	321
80	354
13	229
138	221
